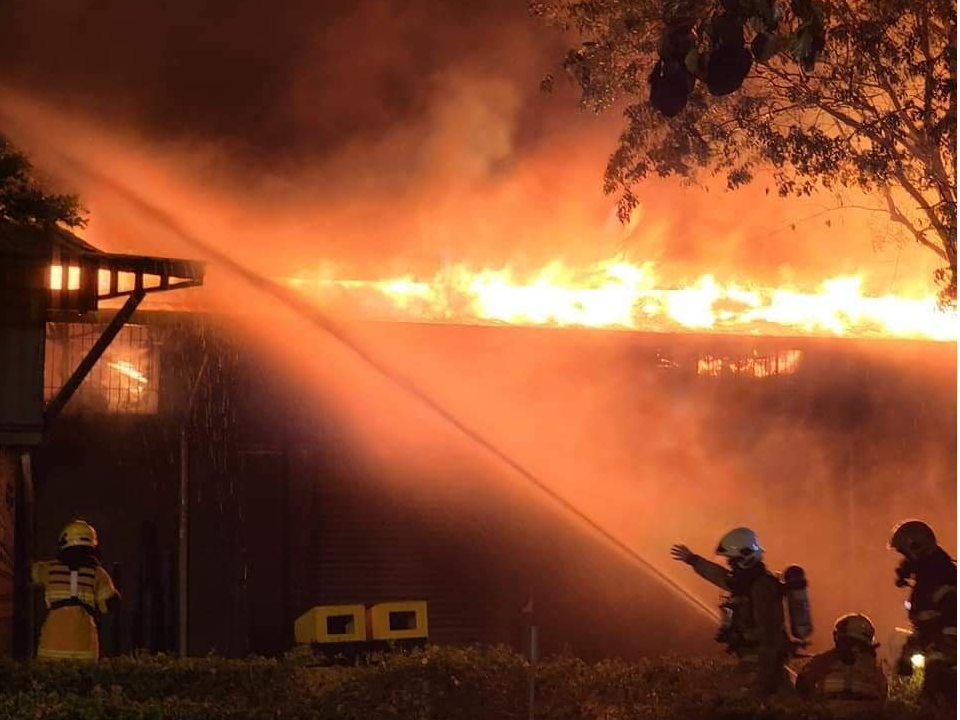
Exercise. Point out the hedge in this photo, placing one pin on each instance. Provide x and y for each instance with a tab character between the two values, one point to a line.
437	683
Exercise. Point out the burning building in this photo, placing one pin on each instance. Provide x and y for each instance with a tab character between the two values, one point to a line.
688	407
659	436
239	480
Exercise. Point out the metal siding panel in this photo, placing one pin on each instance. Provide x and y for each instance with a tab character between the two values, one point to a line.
365	550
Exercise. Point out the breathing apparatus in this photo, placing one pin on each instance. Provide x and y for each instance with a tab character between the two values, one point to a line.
79	548
794	586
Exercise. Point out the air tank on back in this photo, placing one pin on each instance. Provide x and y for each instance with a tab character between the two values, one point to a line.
798	602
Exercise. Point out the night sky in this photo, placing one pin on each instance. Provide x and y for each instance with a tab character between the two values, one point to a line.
277	82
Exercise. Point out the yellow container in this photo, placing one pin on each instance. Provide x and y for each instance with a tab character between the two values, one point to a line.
331	624
397	620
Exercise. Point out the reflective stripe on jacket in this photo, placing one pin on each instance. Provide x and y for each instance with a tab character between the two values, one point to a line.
829	676
933	606
73	597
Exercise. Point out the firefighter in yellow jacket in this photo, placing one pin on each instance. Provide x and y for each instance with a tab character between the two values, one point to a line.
77	591
849	676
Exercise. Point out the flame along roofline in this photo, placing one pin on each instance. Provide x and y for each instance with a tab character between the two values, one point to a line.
181	316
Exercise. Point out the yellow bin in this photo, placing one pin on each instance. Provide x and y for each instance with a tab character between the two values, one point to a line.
397	620
331	624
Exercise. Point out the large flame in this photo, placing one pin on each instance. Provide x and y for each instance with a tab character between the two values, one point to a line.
618	294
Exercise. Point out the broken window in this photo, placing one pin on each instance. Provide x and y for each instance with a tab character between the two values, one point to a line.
124	380
755	364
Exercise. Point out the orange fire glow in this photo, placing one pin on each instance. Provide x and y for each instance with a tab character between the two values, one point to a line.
56	277
784	362
619	294
128	369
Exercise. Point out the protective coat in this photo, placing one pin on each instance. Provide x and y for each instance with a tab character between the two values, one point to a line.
758	618
933	614
834	675
74	599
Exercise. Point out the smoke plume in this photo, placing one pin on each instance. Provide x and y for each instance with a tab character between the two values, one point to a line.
391	138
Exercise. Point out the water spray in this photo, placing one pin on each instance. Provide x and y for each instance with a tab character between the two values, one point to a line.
319	319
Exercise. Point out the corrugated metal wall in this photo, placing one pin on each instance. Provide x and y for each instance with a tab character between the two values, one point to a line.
368	547
287	513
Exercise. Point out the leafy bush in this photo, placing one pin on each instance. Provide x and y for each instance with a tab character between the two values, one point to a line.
436	683
145	677
151	686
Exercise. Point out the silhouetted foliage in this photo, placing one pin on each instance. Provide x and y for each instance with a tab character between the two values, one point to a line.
23	198
830	93
468	683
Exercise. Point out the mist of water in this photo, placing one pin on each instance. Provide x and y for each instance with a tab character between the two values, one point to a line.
822	482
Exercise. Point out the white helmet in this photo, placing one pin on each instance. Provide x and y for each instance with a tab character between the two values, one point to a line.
741	547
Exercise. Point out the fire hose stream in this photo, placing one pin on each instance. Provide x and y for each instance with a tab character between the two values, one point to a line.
316	317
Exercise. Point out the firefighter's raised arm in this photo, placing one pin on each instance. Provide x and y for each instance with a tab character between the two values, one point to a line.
709	571
682	554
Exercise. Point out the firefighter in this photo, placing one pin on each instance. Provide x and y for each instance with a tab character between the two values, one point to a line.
77	591
755	630
849	675
932	576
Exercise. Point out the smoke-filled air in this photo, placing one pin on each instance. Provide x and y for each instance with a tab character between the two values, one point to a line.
719	358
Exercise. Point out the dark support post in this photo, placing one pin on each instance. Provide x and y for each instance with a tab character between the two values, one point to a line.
29	536
183	549
851	522
184	541
534	658
116	622
86	365
287	545
534	655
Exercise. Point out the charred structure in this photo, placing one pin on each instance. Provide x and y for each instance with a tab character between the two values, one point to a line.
287	512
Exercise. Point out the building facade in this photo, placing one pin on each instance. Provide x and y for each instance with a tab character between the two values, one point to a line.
287	509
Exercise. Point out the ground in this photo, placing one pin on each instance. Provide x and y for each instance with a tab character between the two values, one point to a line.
435	684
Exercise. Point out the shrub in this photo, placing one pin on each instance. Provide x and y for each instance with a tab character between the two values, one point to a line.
435	683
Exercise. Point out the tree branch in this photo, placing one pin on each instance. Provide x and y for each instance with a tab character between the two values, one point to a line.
902	219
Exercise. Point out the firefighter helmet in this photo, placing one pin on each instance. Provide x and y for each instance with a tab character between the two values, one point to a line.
741	547
79	533
854	626
913	539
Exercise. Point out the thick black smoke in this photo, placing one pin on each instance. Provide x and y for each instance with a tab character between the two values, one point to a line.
390	137
280	84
